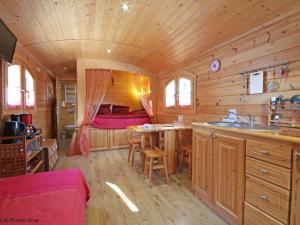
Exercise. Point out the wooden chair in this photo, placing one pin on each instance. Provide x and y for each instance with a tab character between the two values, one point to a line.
185	149
156	159
135	145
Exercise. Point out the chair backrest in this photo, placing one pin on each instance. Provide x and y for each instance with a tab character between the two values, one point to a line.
161	143
184	137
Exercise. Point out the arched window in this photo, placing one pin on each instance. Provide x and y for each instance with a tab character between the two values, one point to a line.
179	92
19	88
170	94
29	90
185	92
14	87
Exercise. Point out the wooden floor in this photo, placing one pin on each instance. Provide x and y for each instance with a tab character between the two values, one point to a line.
161	205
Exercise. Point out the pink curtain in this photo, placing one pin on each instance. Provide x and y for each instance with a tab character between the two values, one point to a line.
97	81
142	85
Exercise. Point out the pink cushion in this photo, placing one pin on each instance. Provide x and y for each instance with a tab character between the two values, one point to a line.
139	112
120	109
104	109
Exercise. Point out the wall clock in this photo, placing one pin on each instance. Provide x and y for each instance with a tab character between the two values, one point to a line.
215	65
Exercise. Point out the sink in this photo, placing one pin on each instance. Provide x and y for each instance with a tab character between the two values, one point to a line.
243	126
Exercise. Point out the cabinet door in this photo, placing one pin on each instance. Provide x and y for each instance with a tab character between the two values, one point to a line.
202	165
295	210
118	138
98	139
228	177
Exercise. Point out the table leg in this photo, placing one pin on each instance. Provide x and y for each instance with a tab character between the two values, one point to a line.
170	148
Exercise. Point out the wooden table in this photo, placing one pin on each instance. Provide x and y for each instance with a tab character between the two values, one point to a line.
170	142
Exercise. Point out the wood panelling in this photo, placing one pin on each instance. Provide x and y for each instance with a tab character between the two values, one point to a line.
153	34
121	91
42	116
217	92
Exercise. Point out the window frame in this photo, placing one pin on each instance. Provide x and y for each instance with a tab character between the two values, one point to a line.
177	108
7	109
25	67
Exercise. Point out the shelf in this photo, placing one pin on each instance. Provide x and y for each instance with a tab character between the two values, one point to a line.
33	154
286	109
40	163
28	141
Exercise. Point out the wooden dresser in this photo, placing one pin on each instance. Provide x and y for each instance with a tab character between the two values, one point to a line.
268	182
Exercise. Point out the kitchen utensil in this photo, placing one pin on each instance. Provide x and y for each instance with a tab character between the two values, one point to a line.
26	118
295	98
30	131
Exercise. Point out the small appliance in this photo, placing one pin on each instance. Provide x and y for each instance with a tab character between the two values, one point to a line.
13	128
16	117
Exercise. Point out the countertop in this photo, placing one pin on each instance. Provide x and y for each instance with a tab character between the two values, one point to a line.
157	128
258	133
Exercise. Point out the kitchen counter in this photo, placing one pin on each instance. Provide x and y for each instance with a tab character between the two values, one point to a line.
271	134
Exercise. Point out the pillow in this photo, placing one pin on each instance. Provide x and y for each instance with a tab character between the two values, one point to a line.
139	112
104	109
116	109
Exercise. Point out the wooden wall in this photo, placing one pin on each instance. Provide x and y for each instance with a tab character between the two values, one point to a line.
42	115
217	92
122	92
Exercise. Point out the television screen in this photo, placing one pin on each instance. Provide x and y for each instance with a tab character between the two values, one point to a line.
7	43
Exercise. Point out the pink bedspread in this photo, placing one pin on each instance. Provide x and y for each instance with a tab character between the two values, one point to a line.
53	198
119	121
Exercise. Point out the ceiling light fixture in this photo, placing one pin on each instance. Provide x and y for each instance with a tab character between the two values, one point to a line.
108	51
125	7
65	68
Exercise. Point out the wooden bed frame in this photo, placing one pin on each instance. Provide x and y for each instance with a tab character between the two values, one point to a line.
108	139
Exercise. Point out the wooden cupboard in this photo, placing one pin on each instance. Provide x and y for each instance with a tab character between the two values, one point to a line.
98	139
228	177
255	179
268	177
218	173
105	139
202	165
295	204
118	138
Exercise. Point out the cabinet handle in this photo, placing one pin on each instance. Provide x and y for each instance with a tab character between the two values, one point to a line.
263	197
264	171
297	155
264	152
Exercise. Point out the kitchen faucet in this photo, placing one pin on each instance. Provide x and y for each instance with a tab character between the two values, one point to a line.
251	120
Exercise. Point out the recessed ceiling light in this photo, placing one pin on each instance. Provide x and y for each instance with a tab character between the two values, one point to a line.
65	68
125	7
108	51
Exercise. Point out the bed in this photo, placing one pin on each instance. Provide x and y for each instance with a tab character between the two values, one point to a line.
108	130
119	121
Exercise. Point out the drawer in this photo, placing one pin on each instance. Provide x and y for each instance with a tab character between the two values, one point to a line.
267	197
279	153
269	172
254	216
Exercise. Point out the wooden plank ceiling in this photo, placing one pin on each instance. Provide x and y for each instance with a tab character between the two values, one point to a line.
153	34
